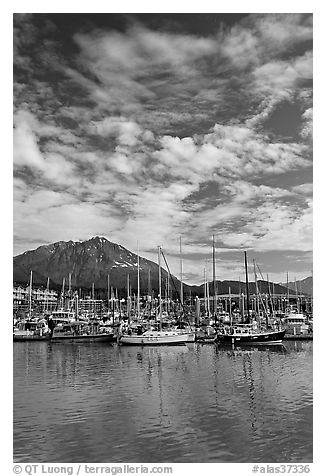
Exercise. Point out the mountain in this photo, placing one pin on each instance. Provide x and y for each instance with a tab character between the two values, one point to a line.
91	261
88	262
304	286
236	287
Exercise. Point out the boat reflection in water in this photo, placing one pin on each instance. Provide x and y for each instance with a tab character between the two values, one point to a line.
279	347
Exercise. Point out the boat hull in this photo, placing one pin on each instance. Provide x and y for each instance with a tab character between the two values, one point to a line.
84	338
30	338
205	340
191	336
264	338
175	339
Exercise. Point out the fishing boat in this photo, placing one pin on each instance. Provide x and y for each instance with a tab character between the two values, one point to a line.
62	316
81	331
250	332
297	324
155	335
31	331
206	335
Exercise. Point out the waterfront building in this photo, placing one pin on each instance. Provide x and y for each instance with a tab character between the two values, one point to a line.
42	299
91	307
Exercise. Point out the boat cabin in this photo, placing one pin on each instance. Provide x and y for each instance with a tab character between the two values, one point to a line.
62	316
74	328
31	328
297	323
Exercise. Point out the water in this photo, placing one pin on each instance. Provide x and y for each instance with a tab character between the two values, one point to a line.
102	403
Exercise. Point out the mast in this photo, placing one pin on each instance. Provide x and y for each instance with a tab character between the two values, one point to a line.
247	287
205	292
118	302
128	299
300	297
160	286
63	293
208	303
181	275
30	295
149	282
77	306
230	306
214	282
47	294
257	292
138	284
113	302
197	310
288	290
296	294
271	298
240	301
264	306
93	299
168	292
108	294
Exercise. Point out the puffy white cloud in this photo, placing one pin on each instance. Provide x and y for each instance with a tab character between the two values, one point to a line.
303	188
275	77
26	150
139	150
126	132
306	131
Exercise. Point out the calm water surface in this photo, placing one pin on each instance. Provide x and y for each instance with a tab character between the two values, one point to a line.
102	403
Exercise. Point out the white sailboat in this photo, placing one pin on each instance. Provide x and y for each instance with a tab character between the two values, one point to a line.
155	335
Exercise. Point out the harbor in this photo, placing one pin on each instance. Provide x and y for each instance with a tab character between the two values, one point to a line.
163	275
191	403
158	319
140	353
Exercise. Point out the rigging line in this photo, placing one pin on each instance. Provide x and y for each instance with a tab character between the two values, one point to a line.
261	275
259	293
176	290
268	288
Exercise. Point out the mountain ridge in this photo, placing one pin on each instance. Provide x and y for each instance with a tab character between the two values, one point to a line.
89	262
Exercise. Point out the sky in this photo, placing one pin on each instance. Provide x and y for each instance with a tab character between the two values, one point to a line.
146	127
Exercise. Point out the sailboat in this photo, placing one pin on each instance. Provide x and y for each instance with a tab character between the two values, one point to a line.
249	333
155	335
31	329
206	334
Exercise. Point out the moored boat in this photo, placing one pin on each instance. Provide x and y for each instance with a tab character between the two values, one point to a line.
81	331
31	331
205	335
153	337
248	334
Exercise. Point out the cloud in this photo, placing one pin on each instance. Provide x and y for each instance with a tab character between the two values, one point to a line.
27	133
306	130
304	189
276	226
126	132
58	216
276	77
259	38
148	134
